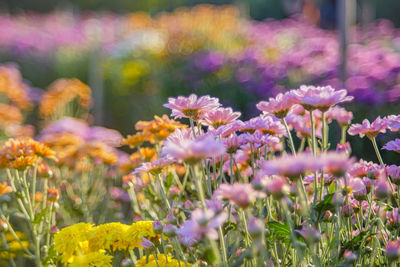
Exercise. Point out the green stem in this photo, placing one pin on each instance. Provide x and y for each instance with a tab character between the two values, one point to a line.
289	136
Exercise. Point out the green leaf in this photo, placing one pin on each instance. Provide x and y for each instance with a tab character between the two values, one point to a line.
324	205
40	216
279	229
169	180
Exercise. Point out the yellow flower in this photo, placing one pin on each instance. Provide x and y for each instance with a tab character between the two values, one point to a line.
161	262
14	246
109	236
72	240
137	231
95	259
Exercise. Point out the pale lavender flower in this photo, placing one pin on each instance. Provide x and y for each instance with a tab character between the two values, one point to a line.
382	189
393	145
232	143
265	124
157	227
371	130
322	98
334	162
146	244
394	122
259	138
192	106
215	205
256	227
310	234
229	129
201	224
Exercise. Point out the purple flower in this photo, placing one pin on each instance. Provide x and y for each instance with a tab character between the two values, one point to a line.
342	116
146	244
393	145
154	167
393	250
201	224
310	234
279	106
394	172
219	117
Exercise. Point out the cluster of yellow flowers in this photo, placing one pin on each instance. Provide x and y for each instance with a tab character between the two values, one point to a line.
160	261
14	247
84	243
23	152
61	92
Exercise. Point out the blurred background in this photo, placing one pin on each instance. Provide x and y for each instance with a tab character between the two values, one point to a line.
134	54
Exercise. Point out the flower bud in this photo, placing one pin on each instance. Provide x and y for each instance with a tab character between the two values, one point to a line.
174	192
256	227
349	256
52	194
54	229
127	262
170	219
382	189
146	244
3	226
157	227
169	230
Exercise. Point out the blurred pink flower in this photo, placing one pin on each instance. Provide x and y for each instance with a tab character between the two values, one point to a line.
232	143
393	250
342	116
371	130
241	195
394	122
192	150
259	138
231	128
201	224
322	98
192	106
154	167
394	172
336	163
266	124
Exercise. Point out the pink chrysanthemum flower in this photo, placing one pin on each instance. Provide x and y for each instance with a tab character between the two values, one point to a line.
279	106
229	129
289	165
201	224
258	138
394	123
219	117
179	135
302	126
322	98
342	116
335	163
368	129
393	145
192	150
241	195
154	167
192	106
232	143
266	125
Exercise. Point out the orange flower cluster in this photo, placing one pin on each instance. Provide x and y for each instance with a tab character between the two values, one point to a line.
5	188
23	152
10	115
151	131
63	91
12	86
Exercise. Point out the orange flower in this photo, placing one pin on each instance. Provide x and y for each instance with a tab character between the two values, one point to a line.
23	152
148	153
52	194
5	188
137	139
63	91
38	197
12	86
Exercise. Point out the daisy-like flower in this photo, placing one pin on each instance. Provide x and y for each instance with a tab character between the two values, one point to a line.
322	98
232	143
393	145
302	125
201	224
229	129
371	130
266	125
5	188
96	258
279	106
258	138
108	236
192	150
394	122
241	195
154	167
151	261
219	117
192	106
341	115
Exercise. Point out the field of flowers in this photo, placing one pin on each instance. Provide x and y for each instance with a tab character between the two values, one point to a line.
246	167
